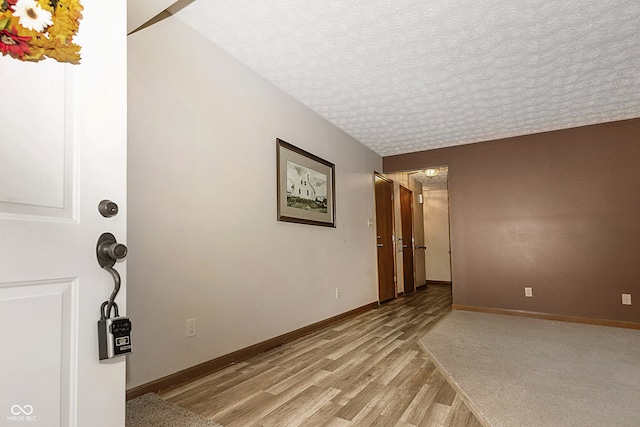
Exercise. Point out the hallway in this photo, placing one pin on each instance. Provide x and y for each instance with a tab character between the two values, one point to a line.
365	371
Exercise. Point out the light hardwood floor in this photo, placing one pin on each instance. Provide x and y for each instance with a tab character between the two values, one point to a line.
365	371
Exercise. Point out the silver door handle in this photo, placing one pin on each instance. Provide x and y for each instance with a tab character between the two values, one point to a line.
404	246
380	245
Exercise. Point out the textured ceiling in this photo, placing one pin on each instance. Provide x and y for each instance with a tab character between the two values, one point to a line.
438	182
405	76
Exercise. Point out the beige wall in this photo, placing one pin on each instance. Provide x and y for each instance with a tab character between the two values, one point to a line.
436	231
203	236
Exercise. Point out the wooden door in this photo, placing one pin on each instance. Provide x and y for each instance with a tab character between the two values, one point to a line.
406	218
62	150
384	238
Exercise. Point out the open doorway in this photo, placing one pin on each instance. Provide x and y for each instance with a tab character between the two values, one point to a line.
428	244
435	211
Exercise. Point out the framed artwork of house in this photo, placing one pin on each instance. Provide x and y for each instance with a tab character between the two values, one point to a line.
306	187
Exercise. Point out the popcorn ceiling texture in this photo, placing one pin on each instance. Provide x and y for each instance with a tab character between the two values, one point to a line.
438	182
404	76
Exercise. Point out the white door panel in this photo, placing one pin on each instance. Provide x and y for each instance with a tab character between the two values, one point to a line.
37	150
41	350
62	150
39	165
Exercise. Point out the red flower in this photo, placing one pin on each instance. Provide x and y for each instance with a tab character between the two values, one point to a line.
13	44
11	3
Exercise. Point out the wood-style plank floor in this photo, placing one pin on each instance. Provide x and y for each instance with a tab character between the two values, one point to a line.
364	371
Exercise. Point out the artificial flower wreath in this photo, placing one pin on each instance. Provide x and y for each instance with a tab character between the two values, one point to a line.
32	30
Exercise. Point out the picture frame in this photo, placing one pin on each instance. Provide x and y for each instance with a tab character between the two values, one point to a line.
305	187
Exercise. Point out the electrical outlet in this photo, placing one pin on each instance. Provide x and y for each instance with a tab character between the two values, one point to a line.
337	292
528	292
191	328
626	299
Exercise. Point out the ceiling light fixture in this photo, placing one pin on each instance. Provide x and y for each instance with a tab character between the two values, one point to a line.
432	172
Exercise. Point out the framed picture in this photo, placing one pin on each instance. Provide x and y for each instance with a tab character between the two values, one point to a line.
306	187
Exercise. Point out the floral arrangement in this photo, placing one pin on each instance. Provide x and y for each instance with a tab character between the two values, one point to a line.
32	30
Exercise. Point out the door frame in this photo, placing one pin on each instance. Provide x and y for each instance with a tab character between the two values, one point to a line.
426	198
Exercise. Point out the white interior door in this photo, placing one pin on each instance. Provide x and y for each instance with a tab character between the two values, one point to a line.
62	150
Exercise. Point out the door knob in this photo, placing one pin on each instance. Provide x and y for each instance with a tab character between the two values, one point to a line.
109	250
380	245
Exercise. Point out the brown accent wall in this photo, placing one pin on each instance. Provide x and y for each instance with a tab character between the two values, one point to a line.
557	211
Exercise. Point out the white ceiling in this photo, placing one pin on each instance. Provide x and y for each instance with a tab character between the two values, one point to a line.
409	75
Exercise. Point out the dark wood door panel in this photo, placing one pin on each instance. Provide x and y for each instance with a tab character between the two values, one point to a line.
406	217
384	240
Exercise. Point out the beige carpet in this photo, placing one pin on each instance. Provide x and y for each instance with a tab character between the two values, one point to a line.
517	371
150	410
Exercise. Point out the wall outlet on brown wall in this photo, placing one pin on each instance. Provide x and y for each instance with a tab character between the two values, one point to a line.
626	299
528	292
